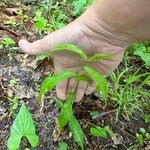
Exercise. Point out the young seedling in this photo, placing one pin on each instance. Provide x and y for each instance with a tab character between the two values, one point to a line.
66	116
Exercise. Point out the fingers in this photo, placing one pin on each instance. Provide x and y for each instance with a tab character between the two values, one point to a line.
70	85
81	88
90	89
61	89
43	45
32	48
68	34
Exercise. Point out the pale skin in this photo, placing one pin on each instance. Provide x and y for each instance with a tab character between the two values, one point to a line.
108	26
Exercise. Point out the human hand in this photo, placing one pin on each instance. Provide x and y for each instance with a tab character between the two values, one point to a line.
89	33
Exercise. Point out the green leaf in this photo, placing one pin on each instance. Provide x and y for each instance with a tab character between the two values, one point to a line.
41	24
23	126
77	131
71	48
78	7
147	135
143	53
66	111
42	57
58	102
142	130
134	77
8	41
109	131
140	138
100	57
63	146
101	82
99	132
146	81
50	82
82	78
94	114
147	118
1	46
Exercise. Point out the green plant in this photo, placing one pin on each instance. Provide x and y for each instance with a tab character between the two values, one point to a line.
66	116
143	51
14	103
23	126
80	5
147	118
125	91
101	132
50	16
62	146
40	22
142	136
7	41
12	82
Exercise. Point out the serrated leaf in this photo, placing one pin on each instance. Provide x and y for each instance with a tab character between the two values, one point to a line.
100	81
66	111
99	132
50	82
23	126
100	56
77	131
63	146
71	48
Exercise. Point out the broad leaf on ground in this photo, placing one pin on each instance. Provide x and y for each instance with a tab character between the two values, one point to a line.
23	126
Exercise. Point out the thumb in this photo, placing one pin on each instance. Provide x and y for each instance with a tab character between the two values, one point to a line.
43	45
66	35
